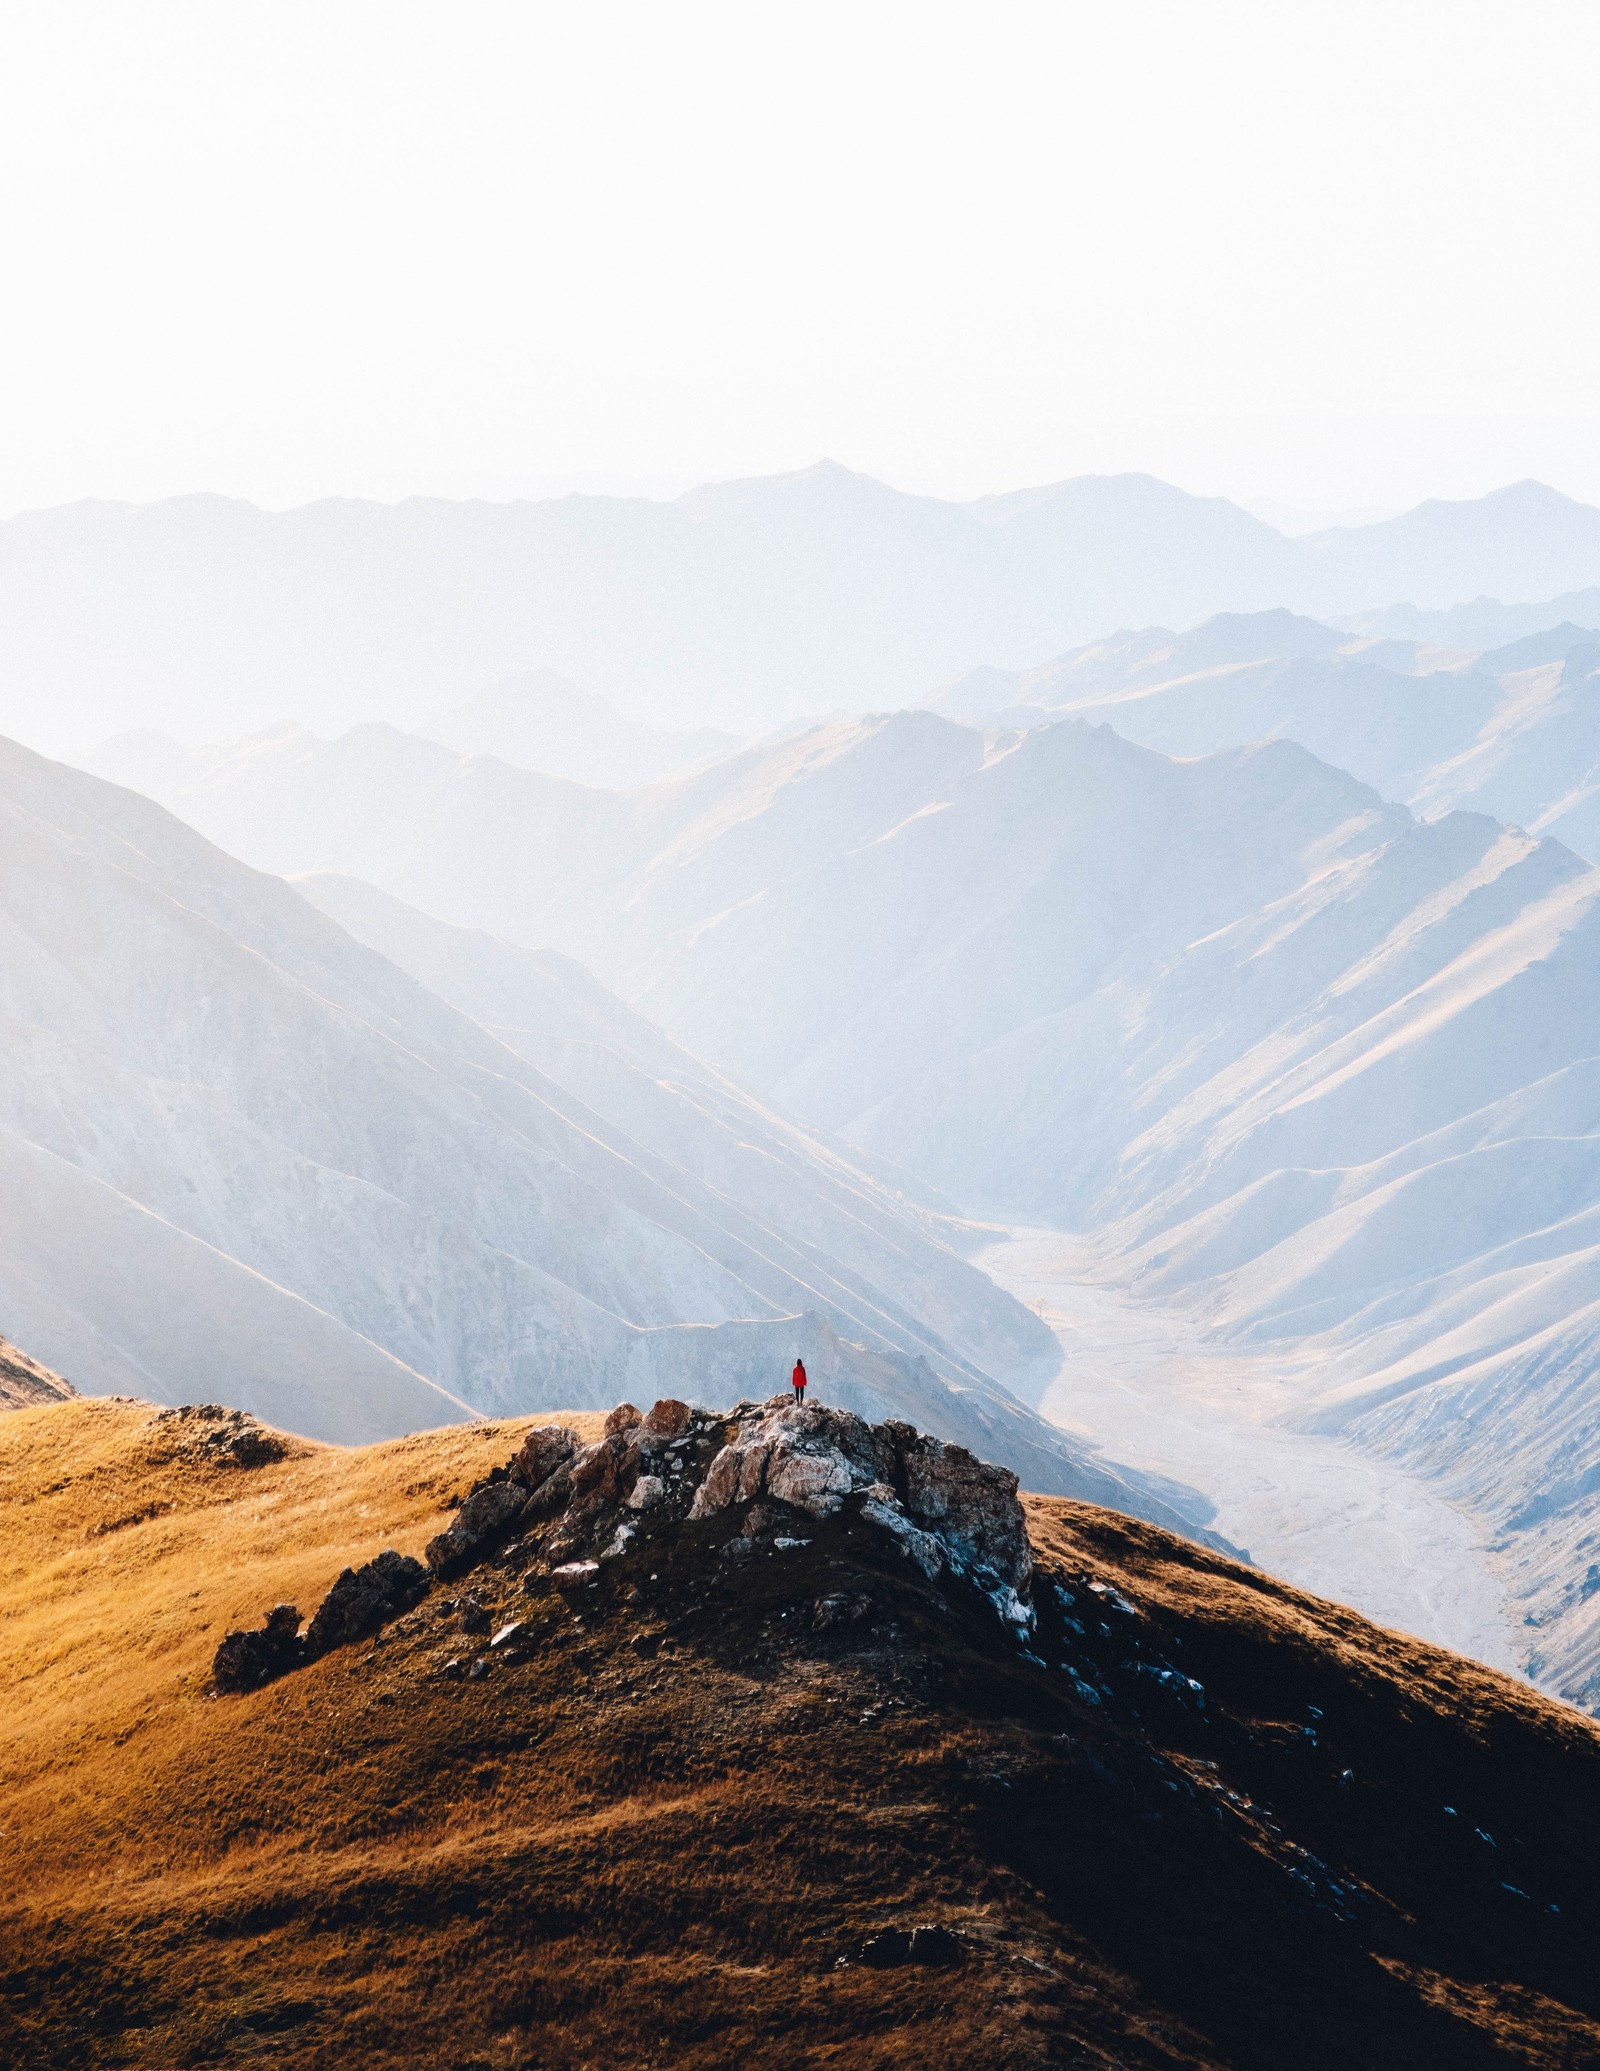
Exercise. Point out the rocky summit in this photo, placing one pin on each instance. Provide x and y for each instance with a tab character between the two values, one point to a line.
757	1480
771	1737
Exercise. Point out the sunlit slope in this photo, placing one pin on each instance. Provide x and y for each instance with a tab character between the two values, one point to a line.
649	1852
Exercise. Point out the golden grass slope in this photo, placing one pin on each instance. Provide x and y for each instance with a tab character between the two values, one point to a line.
652	1843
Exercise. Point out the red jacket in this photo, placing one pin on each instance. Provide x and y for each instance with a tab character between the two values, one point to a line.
799	1375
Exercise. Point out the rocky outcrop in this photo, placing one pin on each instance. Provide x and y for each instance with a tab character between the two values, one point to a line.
246	1660
945	1508
767	1468
206	1432
364	1598
486	1515
762	1478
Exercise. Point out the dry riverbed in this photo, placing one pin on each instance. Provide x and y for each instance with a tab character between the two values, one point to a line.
1143	1382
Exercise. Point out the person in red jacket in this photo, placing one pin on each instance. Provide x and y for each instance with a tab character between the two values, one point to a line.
798	1378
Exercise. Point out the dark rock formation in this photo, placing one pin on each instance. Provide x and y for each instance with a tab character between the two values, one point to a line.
773	1466
246	1660
892	1946
364	1598
758	1481
485	1517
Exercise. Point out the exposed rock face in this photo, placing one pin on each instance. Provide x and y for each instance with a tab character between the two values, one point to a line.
777	1464
486	1515
246	1660
944	1506
543	1450
363	1598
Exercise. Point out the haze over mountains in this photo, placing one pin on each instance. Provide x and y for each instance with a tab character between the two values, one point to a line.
740	606
1321	1069
1514	730
245	1156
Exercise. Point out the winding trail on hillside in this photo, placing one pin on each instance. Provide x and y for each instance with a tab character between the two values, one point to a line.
1142	1381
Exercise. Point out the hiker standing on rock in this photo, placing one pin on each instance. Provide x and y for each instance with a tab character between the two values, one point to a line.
798	1378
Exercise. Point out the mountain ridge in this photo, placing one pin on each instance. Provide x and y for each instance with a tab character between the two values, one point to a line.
749	1785
740	606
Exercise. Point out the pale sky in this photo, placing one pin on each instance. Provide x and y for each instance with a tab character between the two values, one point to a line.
1336	255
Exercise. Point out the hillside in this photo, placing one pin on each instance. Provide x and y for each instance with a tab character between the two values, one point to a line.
691	1810
24	1383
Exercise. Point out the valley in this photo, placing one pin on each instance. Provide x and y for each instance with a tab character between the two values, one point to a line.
1142	1380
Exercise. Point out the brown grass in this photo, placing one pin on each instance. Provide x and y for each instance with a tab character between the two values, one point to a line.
595	1859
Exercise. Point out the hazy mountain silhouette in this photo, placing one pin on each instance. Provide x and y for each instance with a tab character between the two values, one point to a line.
740	605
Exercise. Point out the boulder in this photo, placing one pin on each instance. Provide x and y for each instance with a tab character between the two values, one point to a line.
246	1660
892	1946
486	1515
364	1598
604	1472
545	1449
667	1419
623	1418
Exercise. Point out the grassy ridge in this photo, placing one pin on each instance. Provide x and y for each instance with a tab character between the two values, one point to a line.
652	1841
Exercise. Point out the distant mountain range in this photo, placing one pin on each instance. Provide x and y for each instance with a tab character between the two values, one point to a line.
1514	731
541	721
740	606
1324	1071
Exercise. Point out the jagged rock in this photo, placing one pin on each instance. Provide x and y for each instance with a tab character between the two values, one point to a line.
940	1503
246	1660
881	1506
363	1598
810	1456
552	1494
485	1516
474	1616
779	1463
545	1449
603	1472
230	1437
971	1505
